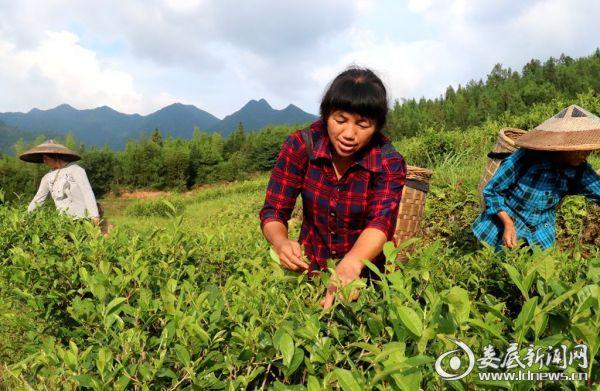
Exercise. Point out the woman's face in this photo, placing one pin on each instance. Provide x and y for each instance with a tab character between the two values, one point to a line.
574	158
51	162
349	132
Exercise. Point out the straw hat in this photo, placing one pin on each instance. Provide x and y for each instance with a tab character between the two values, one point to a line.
35	154
573	129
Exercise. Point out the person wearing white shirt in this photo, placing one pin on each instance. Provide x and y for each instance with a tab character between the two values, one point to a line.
67	183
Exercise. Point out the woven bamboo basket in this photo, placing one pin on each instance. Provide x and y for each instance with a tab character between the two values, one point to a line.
412	205
505	144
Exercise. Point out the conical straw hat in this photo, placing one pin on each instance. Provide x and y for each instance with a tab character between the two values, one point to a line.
35	154
573	129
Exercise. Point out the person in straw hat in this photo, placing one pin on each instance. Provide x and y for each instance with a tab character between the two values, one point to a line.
522	196
67	182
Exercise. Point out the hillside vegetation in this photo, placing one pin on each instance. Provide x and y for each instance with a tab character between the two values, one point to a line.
158	161
184	293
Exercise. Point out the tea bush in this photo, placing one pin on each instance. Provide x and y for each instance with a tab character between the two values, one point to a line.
167	309
195	301
160	207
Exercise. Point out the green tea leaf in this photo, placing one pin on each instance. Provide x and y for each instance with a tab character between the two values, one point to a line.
296	361
390	251
459	304
546	267
182	355
410	319
516	278
286	347
313	384
345	379
114	305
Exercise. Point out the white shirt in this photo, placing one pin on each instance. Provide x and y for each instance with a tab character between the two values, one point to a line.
70	190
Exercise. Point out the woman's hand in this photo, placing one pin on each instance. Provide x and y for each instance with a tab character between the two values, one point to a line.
290	255
509	237
347	271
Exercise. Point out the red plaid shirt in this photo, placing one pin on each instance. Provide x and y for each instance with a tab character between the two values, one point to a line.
335	212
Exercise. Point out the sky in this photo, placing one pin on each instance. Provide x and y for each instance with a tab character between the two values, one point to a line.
139	56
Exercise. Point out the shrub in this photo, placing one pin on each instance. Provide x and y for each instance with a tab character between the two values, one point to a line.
160	207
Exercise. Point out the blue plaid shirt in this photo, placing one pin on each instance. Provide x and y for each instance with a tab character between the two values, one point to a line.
529	186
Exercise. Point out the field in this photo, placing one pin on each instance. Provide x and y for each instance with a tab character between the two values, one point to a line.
184	295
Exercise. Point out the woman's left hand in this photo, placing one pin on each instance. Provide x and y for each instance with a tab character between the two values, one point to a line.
347	271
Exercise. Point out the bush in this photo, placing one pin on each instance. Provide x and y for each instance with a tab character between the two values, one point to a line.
160	207
166	310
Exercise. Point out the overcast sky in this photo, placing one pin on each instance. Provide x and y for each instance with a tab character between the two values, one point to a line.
138	56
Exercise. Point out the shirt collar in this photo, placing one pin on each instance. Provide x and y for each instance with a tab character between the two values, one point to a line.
369	157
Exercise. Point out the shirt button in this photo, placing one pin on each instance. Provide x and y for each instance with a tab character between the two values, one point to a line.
331	232
333	252
332	213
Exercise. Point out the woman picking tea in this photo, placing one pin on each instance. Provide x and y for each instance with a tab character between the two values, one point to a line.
350	178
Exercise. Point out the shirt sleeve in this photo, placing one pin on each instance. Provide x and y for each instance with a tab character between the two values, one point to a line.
502	180
384	200
41	194
86	191
590	184
286	181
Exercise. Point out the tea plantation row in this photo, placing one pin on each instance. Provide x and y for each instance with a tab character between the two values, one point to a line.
173	308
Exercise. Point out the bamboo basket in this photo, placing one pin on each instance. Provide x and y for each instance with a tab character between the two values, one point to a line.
412	205
505	144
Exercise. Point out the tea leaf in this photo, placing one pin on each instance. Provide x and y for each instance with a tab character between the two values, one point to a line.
516	278
114	305
345	379
410	319
286	346
458	301
546	267
182	355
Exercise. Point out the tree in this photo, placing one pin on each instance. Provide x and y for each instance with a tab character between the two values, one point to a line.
156	137
99	165
235	141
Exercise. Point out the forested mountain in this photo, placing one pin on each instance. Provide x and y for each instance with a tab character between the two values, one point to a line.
106	126
504	92
428	131
258	114
179	120
9	136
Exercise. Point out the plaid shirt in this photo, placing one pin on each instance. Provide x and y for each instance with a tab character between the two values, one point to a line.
529	187
335	212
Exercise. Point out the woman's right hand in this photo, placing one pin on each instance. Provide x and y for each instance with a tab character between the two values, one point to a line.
509	238
290	255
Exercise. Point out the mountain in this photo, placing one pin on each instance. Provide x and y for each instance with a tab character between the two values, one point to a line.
104	125
258	114
179	120
9	136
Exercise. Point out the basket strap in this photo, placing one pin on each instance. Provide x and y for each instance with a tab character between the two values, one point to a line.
417	185
307	141
387	149
499	155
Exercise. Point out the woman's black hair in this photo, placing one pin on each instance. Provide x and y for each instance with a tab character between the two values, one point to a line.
359	91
